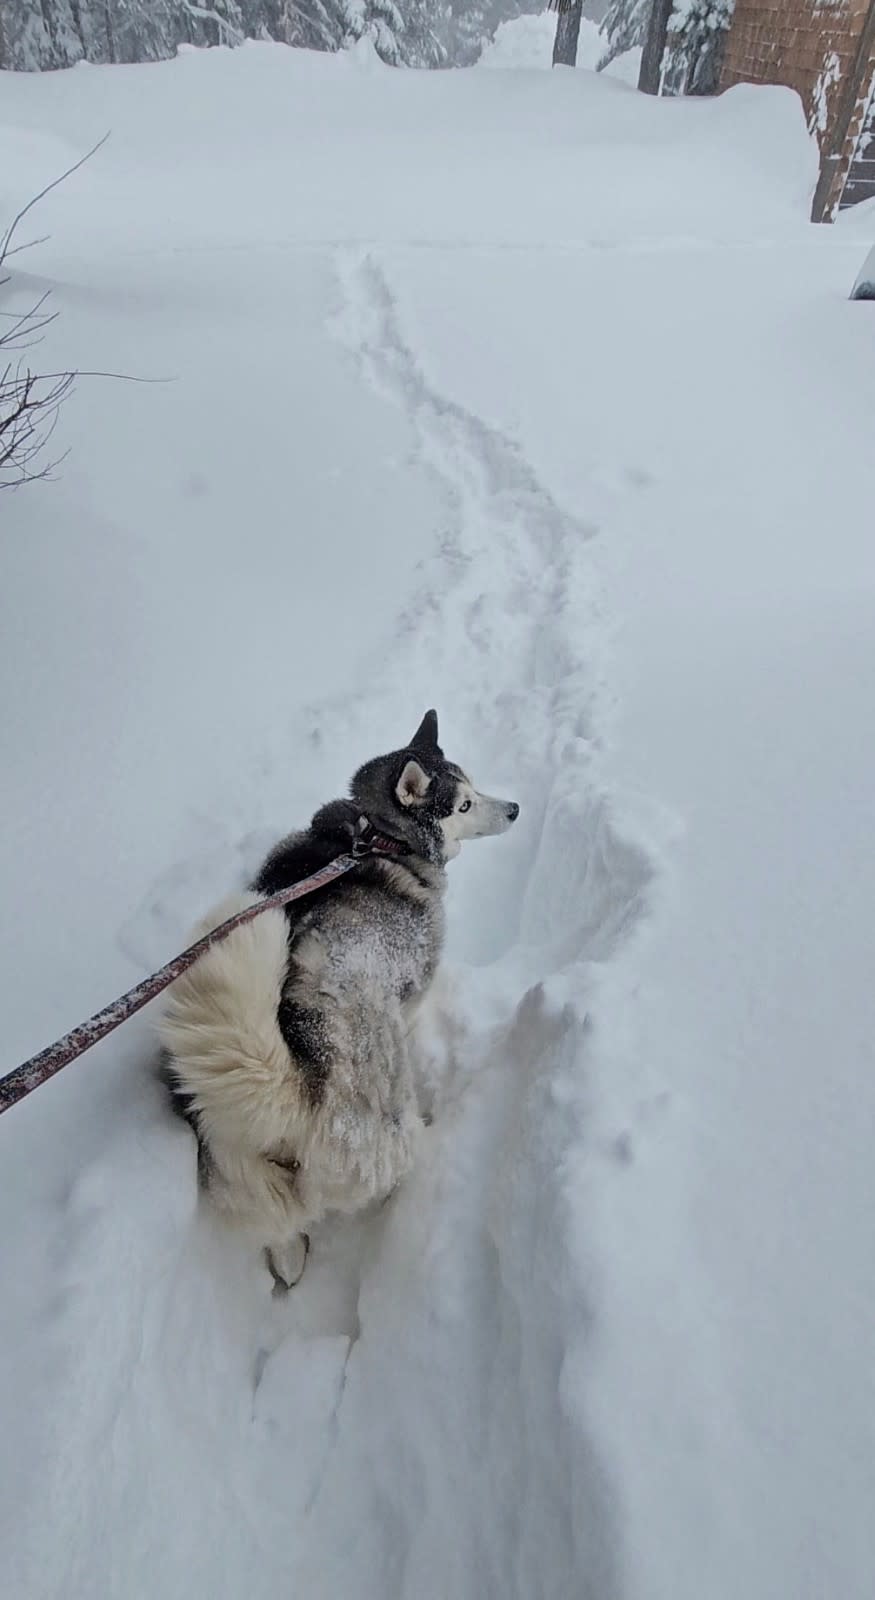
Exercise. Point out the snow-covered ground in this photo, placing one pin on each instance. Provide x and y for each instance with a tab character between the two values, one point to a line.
521	395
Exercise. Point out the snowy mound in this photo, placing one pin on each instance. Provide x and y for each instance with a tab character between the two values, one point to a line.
526	43
538	400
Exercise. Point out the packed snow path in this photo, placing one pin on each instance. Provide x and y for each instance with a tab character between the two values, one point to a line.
517	394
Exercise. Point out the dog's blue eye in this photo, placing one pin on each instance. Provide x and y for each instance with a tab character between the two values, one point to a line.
465	806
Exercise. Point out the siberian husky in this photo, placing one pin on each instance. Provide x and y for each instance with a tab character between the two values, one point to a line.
287	1045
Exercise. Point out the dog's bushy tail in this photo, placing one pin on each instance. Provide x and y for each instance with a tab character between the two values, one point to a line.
231	1065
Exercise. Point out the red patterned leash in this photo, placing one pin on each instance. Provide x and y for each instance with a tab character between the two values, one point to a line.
24	1079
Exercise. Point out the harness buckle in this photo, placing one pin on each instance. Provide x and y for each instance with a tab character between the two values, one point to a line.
369	842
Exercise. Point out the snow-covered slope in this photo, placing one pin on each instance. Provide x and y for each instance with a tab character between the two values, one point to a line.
522	395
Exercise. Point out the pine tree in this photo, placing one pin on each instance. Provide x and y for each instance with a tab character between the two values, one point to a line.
695	43
377	20
38	34
624	28
426	32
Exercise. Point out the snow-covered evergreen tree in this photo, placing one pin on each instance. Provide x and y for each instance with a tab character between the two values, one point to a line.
427	36
377	20
38	34
695	42
695	38
624	27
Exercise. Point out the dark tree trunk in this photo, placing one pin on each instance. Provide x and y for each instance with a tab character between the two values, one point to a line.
110	30
654	46
567	34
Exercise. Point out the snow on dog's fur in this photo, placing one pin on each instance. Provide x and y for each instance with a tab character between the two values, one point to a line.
287	1043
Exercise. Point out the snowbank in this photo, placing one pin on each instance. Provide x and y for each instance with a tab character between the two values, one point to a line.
538	400
526	42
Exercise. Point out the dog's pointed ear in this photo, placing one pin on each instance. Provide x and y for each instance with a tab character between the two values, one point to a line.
413	784
426	735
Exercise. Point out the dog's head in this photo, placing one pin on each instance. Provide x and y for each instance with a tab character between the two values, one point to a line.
418	796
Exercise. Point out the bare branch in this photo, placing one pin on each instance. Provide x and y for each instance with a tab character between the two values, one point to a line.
29	415
117	377
28	246
30	402
8	235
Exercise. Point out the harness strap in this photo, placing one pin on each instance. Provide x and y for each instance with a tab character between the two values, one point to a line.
21	1081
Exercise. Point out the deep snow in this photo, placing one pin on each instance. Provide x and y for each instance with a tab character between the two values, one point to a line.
519	394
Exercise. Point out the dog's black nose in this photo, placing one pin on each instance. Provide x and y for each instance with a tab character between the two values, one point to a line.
513	811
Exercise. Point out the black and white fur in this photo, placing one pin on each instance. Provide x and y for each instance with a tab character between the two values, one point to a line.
287	1044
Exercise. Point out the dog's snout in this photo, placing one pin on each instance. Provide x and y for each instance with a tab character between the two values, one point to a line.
513	811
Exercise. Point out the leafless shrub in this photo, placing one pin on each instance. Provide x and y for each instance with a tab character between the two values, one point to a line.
29	401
